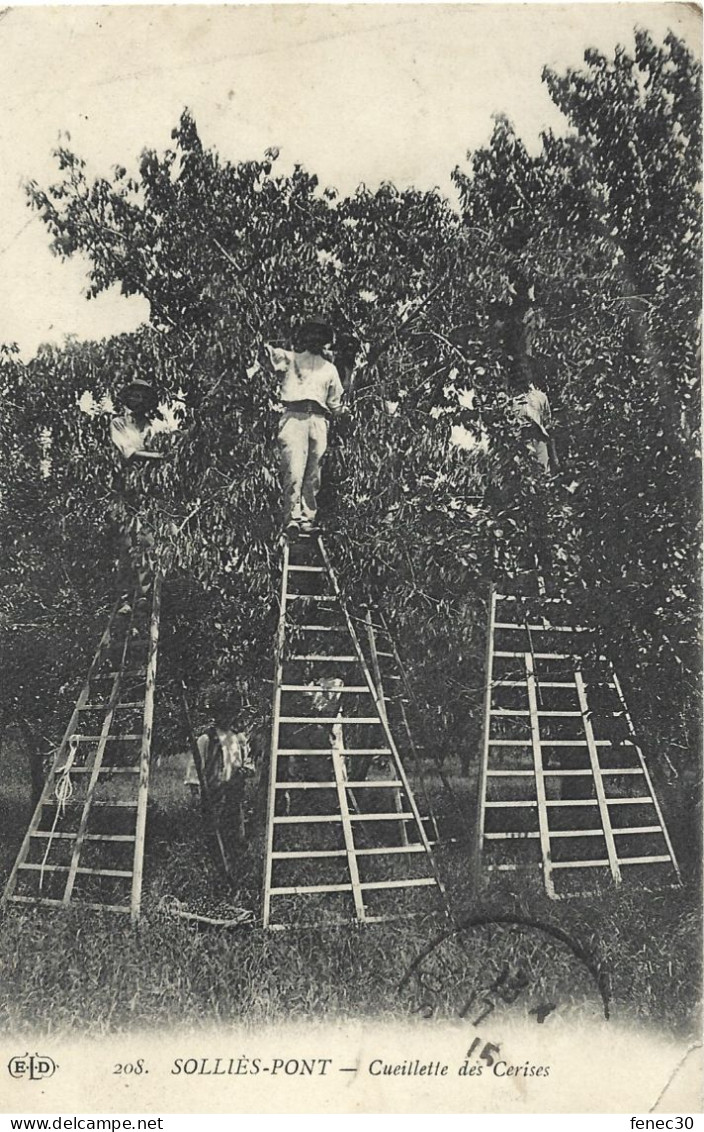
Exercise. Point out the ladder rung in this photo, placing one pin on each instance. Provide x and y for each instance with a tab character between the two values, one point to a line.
308	819
411	882
556	743
543	600
381	851
630	801
306	569
312	689
636	829
386	655
65	868
110	805
329	719
324	656
623	770
540	628
102	770
522	711
540	655
328	819
105	738
572	802
396	782
311	597
302	889
568	773
542	683
511	773
306	785
510	805
290	751
319	628
72	803
375	783
660	859
576	833
596	864
74	903
101	706
403	816
304	854
510	835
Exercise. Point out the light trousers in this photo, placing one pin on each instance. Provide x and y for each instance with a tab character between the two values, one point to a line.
303	438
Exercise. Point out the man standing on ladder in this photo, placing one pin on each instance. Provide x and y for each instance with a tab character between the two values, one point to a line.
311	392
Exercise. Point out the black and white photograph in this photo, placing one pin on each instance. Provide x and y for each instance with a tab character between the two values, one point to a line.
350	559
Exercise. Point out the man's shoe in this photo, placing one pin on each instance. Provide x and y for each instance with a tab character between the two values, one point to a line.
308	527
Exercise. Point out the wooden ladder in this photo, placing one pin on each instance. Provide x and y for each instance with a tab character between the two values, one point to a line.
563	783
334	844
85	842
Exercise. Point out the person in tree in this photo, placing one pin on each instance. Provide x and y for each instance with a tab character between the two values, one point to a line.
311	392
532	408
226	762
131	431
513	330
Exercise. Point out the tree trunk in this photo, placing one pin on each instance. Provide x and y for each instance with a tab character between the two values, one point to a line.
36	762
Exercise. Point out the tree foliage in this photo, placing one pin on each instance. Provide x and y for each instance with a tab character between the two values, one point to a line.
578	267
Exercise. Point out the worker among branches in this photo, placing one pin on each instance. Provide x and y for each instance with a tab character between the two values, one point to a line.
311	392
532	408
513	331
130	432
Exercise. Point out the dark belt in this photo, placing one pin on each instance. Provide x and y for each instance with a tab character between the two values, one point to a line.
305	407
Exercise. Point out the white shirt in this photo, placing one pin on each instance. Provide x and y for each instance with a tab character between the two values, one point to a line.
307	377
127	437
533	405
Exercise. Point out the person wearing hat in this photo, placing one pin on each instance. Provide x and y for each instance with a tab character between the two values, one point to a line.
131	430
311	392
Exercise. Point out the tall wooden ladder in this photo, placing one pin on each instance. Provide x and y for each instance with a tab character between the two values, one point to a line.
345	841
85	842
563	783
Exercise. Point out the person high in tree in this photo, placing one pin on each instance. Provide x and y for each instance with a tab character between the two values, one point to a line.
130	432
311	392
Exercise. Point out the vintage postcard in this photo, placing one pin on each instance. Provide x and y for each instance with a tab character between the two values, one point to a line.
350	527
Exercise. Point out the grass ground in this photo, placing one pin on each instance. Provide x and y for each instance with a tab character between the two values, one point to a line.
67	972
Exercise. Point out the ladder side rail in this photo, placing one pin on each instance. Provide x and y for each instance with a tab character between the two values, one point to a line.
417	762
145	753
48	787
347	832
593	751
98	760
376	668
412	696
389	738
644	768
275	728
482	777
543	826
